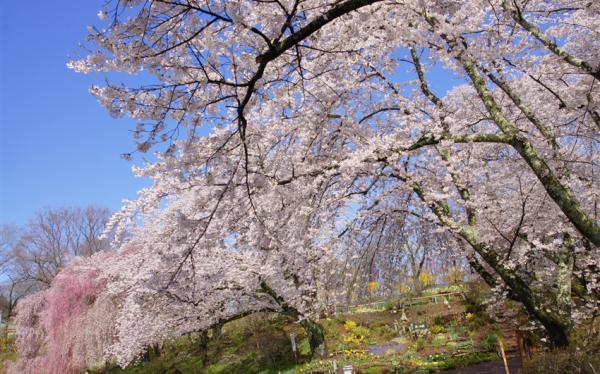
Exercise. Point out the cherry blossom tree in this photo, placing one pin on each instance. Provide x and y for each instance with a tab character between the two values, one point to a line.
117	304
278	123
68	327
191	276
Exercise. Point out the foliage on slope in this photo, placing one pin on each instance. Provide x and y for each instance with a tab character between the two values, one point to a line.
261	344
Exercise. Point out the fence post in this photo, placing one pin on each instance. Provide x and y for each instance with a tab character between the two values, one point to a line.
503	355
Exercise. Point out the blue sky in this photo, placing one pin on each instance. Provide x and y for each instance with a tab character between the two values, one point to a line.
58	146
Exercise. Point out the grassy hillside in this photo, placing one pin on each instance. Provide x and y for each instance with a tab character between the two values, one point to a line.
374	339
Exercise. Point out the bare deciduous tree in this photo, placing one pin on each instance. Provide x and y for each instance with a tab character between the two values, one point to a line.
32	255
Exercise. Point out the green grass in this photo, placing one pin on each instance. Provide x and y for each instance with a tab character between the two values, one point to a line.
261	344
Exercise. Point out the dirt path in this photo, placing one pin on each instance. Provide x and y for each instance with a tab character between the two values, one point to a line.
494	367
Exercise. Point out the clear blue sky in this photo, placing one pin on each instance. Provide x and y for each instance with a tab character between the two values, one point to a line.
58	146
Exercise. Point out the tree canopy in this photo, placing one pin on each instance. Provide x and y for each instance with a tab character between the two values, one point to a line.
286	130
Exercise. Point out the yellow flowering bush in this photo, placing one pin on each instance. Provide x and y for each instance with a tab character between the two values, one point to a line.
356	335
350	325
355	353
372	286
353	339
426	279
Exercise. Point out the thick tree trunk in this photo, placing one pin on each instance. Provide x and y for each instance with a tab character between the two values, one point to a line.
564	273
417	286
314	330
203	346
563	283
556	325
152	352
217	331
559	334
316	338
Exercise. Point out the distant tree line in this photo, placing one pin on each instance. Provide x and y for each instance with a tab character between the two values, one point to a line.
31	255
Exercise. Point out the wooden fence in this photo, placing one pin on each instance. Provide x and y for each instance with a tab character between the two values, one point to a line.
401	302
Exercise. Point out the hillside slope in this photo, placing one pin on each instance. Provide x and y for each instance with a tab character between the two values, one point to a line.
436	331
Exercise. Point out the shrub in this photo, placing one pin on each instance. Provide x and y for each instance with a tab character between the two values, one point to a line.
477	293
353	339
453	335
439	340
356	338
426	279
475	323
217	368
385	332
490	342
441	320
404	289
373	286
350	325
436	329
467	359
